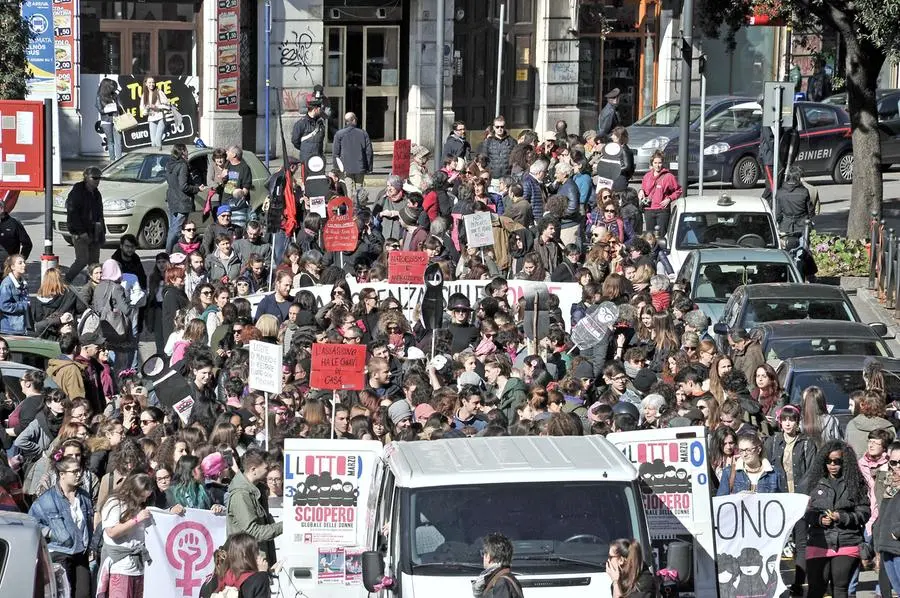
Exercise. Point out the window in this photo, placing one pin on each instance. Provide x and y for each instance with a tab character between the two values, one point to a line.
736	120
138	168
715	282
888	108
837	386
787	348
667	115
816	117
769	310
698	229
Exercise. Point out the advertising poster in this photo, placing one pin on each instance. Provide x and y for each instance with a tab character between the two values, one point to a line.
331	565
40	52
675	491
64	46
353	566
228	68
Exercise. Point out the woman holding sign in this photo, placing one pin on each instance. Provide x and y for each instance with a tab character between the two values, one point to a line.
837	514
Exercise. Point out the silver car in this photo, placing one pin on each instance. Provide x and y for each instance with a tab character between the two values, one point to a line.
25	566
655	130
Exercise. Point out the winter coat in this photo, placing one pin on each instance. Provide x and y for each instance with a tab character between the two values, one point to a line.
570	191
68	375
457	147
308	136
15	317
245	513
833	495
769	481
802	458
353	148
226	269
607	120
533	192
794	207
502	227
174	300
84	213
660	187
749	360
37	436
886	530
514	396
214	230
53	513
179	192
551	254
858	428
13	238
497	150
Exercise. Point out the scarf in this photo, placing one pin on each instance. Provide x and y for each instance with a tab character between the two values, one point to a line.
479	584
235	581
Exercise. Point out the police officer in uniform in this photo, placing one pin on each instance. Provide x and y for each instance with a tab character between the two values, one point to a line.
308	135
609	118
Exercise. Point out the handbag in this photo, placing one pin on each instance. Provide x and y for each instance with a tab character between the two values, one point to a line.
123	122
175	114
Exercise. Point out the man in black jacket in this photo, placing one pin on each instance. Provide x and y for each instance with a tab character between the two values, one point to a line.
497	148
608	118
308	135
352	150
457	146
129	260
13	236
84	216
794	205
180	192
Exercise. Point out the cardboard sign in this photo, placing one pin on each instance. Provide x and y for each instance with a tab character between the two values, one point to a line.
265	366
400	161
337	367
407	267
479	231
340	233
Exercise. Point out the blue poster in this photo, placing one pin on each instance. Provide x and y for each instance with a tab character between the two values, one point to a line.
41	53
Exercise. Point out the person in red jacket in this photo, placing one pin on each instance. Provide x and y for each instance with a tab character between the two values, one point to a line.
659	188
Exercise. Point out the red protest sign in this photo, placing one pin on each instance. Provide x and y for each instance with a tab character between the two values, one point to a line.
340	233
338	367
22	131
400	161
407	267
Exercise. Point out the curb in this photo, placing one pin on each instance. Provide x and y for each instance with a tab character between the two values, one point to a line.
886	315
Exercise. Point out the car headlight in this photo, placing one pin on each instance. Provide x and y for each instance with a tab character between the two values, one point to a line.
716	148
118	205
656	143
59	201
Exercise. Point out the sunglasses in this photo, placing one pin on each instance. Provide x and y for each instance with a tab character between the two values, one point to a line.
609	211
894	463
189	230
499	126
834	461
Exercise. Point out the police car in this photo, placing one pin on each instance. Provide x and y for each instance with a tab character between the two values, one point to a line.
731	145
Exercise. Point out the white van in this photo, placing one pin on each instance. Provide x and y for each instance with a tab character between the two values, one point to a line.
560	500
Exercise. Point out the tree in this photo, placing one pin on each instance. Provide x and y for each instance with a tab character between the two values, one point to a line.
14	31
871	32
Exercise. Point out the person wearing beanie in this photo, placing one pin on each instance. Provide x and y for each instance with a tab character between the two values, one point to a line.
400	414
422	412
638	388
413	234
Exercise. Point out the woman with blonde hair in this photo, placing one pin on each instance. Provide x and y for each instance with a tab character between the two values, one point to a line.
194	332
154	103
642	275
54	302
268	325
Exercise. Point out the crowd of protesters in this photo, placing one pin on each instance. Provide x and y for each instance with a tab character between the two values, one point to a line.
89	457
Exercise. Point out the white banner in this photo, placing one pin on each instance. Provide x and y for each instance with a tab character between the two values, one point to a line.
751	530
182	548
410	295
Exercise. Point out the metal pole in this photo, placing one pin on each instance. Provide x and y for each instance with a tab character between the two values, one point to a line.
268	17
779	95
48	260
702	128
687	55
439	86
266	395
500	58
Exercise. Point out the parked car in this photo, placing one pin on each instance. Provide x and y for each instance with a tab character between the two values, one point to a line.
809	338
888	106
25	566
654	131
731	145
754	303
710	275
134	194
31	351
704	222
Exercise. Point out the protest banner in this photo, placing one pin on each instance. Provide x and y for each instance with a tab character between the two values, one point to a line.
337	367
400	159
751	530
340	233
407	267
181	548
265	367
675	491
479	231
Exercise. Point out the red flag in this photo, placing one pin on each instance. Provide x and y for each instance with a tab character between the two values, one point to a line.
289	222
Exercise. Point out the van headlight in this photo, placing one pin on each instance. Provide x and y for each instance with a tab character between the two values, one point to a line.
716	148
118	205
656	143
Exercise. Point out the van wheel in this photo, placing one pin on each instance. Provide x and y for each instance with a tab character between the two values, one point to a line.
153	231
746	173
843	169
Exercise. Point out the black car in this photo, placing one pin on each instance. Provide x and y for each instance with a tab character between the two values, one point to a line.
888	105
837	376
754	303
731	152
808	338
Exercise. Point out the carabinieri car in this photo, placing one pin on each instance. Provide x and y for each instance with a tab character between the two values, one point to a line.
731	152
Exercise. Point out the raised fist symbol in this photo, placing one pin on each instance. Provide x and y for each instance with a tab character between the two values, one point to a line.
189	549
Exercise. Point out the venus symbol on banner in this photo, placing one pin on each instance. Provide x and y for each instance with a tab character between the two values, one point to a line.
189	549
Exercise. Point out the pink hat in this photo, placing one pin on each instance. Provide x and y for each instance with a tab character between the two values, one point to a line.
213	464
423	412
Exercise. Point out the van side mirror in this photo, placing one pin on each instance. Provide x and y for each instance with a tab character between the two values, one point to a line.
681	559
720	328
372	569
879	328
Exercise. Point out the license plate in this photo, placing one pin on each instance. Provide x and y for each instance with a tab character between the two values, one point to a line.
673	165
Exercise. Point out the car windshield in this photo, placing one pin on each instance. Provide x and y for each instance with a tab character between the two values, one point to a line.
138	168
711	229
837	386
769	310
716	282
667	115
558	528
785	348
735	120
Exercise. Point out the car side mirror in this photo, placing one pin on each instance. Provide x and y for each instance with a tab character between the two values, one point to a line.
372	569
720	328
879	328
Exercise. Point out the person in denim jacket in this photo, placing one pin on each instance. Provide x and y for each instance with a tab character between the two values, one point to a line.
752	472
14	317
66	516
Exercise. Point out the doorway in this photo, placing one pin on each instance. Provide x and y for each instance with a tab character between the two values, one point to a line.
362	75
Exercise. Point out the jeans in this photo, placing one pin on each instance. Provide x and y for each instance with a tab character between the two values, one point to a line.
77	568
838	569
176	221
157	130
660	218
87	251
890	564
113	140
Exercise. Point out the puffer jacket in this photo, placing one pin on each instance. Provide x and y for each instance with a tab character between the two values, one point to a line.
802	458
570	191
858	429
497	151
180	193
834	495
533	191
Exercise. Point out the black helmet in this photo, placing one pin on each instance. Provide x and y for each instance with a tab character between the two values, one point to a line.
627	408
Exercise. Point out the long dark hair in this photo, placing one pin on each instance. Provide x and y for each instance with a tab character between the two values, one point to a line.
242	550
633	565
128	492
857	488
107	92
717	445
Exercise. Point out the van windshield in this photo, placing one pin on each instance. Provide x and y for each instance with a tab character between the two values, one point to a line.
553	526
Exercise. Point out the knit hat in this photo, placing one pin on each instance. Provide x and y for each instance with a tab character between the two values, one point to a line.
469	379
423	412
111	271
399	411
584	370
644	380
223	209
409	216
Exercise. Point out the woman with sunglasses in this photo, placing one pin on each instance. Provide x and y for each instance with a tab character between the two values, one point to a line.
751	471
837	514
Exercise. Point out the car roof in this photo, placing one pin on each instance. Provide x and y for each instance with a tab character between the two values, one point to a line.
495	460
715	255
29	344
825	363
20	531
740	203
817	328
793	290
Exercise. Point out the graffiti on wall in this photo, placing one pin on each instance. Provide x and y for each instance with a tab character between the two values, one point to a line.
296	52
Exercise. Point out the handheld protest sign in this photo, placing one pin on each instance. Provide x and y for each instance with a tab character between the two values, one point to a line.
341	232
479	229
594	328
401	158
433	303
407	267
537	314
338	367
609	166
